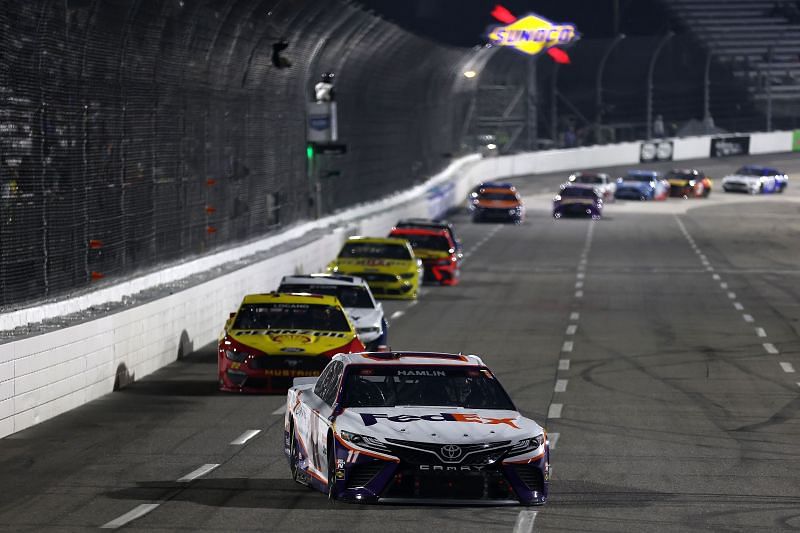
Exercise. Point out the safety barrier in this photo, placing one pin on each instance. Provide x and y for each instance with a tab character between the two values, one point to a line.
48	374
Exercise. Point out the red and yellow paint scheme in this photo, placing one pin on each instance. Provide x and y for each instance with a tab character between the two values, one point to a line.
273	338
437	251
688	183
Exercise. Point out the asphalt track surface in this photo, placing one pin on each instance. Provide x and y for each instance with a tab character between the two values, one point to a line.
657	346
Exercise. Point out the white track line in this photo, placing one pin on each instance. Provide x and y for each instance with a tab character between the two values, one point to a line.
563	364
571	329
787	367
581	275
715	277
578	284
770	348
553	438
761	332
567	346
578	294
574	316
723	286
738	306
555	410
244	437
524	523
732	295
280	410
561	385
748	318
194	474
137	512
397	314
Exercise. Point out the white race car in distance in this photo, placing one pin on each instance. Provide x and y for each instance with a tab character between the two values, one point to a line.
413	427
602	182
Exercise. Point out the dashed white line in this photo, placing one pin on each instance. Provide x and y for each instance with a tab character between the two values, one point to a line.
578	294
280	410
524	523
715	277
137	512
748	318
553	438
761	332
770	348
555	410
738	306
787	367
567	347
732	295
563	364
571	329
246	436
578	284
194	474
561	385
723	286
397	314
574	316
581	275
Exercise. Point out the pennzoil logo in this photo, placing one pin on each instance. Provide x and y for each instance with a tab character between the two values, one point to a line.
291	339
533	34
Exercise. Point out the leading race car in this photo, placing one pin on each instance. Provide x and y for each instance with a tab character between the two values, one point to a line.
755	179
354	295
413	427
688	183
273	338
497	204
578	201
642	185
388	265
602	182
437	251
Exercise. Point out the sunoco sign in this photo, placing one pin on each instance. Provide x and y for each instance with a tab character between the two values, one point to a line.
533	34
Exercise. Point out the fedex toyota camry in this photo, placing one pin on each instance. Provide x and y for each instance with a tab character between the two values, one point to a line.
413	427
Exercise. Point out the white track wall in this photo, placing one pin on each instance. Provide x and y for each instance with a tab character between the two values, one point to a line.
45	375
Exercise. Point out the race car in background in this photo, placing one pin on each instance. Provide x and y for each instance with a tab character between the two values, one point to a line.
413	427
602	182
754	179
273	338
437	251
425	223
355	297
389	266
688	183
576	200
642	185
497	204
473	194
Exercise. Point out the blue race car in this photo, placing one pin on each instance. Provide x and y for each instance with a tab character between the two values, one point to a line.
642	185
755	179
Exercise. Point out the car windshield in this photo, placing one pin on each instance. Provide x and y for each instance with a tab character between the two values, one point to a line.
508	197
578	192
588	179
427	242
290	316
680	176
348	295
375	250
424	385
752	171
639	177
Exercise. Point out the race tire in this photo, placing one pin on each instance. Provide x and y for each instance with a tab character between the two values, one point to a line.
293	455
331	470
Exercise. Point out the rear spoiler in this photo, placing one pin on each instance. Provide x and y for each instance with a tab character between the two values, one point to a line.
304	381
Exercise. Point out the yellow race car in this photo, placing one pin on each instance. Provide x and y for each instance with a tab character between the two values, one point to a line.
273	338
388	265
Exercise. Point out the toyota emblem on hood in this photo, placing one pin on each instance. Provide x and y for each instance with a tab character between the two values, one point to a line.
451	451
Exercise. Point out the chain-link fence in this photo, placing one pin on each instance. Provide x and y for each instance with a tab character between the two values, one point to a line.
135	133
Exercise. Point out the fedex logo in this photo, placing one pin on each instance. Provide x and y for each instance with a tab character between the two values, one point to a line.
372	418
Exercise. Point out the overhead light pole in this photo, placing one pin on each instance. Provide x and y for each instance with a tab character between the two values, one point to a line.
650	71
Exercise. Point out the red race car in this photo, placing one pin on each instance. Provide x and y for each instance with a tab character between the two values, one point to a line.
436	249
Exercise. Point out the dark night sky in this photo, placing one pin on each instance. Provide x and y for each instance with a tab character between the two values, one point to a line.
464	22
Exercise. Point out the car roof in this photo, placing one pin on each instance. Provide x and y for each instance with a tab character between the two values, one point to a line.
496	185
584	186
291	298
498	189
378	240
760	168
421	231
589	174
423	222
409	358
324	279
634	172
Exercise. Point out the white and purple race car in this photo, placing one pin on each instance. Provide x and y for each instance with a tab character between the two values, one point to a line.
414	427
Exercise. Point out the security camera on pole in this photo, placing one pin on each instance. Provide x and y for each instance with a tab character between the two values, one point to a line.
322	133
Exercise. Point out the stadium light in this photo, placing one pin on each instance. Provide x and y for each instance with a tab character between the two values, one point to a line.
469	74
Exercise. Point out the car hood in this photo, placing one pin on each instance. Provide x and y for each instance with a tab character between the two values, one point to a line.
438	424
363	317
363	264
292	341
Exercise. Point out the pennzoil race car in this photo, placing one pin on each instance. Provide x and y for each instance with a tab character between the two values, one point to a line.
413	427
389	266
273	338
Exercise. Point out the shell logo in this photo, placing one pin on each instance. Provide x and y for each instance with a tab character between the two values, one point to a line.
291	339
533	34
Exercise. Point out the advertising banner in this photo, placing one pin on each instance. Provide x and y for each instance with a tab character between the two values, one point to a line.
728	146
651	151
796	141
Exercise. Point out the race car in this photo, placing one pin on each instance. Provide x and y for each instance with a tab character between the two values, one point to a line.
354	295
578	200
437	251
642	185
413	427
473	194
273	338
389	266
688	183
599	180
755	180
426	223
497	204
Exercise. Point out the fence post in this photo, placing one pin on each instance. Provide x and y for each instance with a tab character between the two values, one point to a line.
650	71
